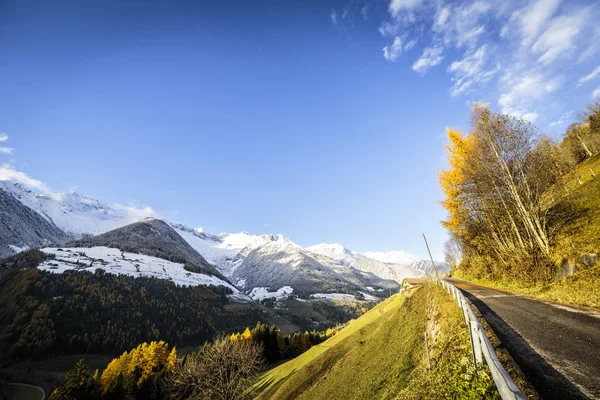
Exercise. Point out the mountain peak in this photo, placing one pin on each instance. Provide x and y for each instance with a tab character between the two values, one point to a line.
392	257
335	251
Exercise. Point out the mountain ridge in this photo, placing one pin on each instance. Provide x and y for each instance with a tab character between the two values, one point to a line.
79	217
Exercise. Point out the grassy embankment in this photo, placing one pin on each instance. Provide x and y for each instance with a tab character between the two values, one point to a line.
382	355
580	235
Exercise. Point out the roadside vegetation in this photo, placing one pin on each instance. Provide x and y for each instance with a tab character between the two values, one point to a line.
523	209
387	345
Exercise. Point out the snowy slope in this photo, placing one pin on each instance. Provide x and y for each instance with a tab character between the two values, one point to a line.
335	251
227	251
115	261
73	213
281	263
22	228
395	265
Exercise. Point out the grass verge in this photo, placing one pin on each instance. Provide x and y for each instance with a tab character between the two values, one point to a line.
382	355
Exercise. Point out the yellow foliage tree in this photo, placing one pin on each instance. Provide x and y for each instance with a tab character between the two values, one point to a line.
247	335
135	368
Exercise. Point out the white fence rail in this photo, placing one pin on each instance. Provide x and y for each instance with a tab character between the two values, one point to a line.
482	348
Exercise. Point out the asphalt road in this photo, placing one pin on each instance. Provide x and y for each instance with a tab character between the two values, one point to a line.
557	347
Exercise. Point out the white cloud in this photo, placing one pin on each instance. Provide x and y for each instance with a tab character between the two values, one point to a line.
387	29
559	37
3	149
522	90
562	120
595	73
398	5
441	17
410	45
596	93
533	18
521	51
470	36
470	70
333	17
391	53
135	213
8	173
431	57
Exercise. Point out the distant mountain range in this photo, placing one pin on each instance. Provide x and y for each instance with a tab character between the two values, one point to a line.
254	264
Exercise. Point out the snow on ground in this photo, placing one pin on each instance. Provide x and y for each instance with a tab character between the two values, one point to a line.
369	288
368	296
335	251
261	293
333	296
223	251
241	283
115	261
18	249
211	248
75	213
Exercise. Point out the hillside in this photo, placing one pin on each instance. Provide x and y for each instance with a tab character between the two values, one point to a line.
21	227
75	214
393	265
152	237
282	263
387	346
577	243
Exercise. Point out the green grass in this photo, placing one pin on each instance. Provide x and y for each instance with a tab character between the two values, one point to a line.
381	355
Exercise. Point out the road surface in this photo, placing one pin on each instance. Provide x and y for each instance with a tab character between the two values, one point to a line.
557	347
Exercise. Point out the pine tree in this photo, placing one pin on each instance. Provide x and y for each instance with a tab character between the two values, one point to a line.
77	384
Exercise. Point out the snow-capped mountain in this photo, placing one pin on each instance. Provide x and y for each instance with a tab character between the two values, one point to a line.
395	265
392	257
226	251
335	251
22	228
260	263
75	214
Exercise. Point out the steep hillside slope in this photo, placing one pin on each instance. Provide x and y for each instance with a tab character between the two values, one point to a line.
382	355
22	228
576	246
118	262
152	237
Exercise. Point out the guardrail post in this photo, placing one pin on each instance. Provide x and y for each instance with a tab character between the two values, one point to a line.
476	343
464	309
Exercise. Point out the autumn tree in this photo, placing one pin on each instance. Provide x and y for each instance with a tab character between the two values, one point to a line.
139	373
494	190
224	370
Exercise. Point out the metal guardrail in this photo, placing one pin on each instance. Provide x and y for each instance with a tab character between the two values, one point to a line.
482	348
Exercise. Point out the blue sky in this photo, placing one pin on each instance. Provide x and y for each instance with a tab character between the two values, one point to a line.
323	121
